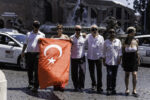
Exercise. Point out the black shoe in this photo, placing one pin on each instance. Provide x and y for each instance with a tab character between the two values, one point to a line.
100	90
30	86
75	89
61	89
35	90
108	93
81	89
113	92
93	88
135	94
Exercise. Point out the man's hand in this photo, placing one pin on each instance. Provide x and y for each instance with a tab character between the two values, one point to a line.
22	55
119	60
104	62
39	41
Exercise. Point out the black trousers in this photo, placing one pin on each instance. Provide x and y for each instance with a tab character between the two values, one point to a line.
78	69
98	65
111	77
32	67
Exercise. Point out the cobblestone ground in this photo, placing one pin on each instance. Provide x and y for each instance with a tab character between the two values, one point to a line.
17	82
16	87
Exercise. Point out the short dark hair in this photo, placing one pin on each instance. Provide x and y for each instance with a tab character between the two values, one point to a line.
59	26
36	24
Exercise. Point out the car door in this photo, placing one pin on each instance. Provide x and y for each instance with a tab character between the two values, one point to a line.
9	53
144	49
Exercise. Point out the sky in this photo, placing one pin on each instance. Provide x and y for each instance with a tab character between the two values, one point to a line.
126	2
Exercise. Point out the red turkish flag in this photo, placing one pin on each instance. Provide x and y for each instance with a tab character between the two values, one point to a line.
54	62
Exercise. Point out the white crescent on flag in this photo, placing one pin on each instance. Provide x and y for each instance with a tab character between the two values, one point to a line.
53	46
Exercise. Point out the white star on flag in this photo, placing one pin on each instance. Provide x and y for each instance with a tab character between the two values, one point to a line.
51	60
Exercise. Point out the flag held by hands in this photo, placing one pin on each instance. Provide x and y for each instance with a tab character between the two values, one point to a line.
54	62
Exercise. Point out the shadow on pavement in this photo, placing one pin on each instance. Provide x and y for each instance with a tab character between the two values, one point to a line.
11	67
43	94
145	65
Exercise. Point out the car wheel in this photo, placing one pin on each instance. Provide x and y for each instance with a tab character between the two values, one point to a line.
21	63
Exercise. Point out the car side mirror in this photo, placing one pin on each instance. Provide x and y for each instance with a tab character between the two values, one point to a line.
11	43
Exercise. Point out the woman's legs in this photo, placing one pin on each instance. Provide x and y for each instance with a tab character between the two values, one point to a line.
134	81
127	74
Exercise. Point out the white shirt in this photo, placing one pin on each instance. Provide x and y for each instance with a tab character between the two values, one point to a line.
95	47
78	46
112	51
32	41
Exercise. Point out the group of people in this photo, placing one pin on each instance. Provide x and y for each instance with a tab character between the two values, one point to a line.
110	52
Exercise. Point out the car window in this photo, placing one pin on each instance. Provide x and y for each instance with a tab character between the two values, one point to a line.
145	41
2	39
21	38
5	40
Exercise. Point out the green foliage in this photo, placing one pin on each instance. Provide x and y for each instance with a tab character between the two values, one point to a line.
141	6
148	17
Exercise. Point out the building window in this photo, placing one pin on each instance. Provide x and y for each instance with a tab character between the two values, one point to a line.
1	23
118	13
126	14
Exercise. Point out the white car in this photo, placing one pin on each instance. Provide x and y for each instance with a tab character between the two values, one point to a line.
11	45
144	48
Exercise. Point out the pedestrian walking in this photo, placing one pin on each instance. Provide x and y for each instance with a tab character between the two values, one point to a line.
94	44
78	67
60	35
32	46
130	60
112	58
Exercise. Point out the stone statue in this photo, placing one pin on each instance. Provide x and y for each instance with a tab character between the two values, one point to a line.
79	13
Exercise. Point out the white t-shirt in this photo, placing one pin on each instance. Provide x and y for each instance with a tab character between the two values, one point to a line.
32	41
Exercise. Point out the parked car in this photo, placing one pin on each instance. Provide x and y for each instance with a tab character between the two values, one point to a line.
144	48
11	45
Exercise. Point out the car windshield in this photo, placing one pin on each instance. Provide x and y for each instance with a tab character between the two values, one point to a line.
21	38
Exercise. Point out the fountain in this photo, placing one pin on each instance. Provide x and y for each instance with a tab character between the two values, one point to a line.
78	15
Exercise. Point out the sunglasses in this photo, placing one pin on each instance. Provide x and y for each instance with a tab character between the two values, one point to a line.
111	32
77	29
59	28
94	29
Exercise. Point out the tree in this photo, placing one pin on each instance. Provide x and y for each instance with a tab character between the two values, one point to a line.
148	17
141	6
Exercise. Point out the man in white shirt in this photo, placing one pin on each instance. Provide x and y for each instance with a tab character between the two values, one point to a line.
78	67
32	46
94	44
112	58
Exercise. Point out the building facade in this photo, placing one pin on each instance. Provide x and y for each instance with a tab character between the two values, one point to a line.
64	11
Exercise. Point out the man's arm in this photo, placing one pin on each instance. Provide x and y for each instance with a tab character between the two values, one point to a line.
23	49
120	53
104	54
